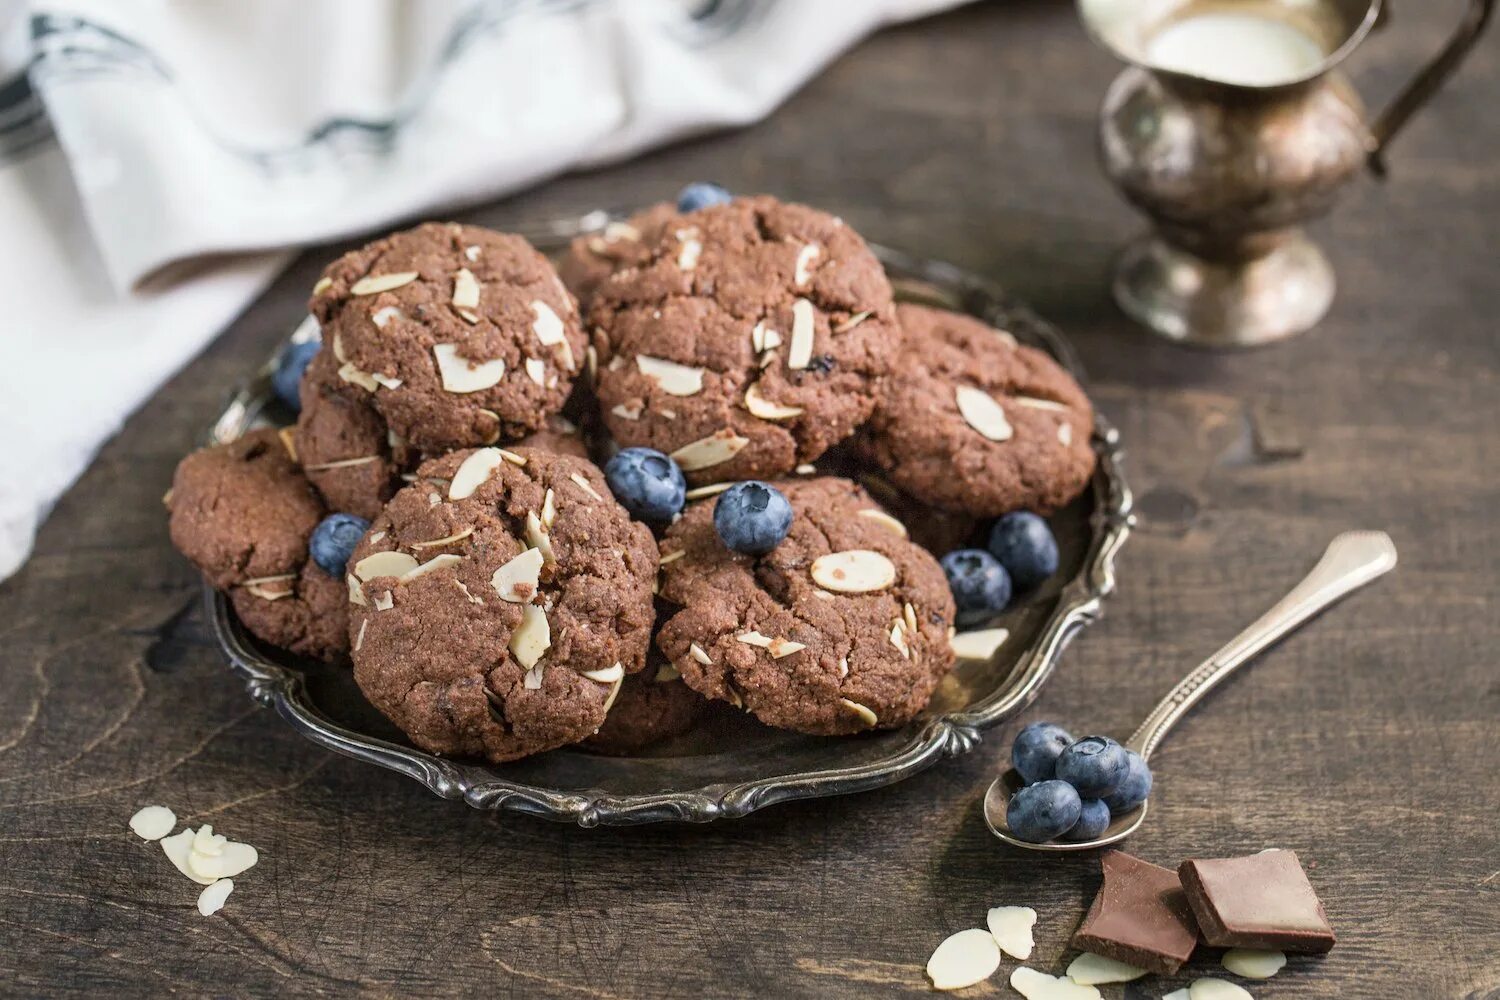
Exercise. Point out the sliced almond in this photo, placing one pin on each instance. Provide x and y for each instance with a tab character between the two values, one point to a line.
909	616
288	436
784	647
549	509
1034	985
979	644
852	322
376	536
753	638
356	592
465	289
591	358
885	520
1253	963
322	285
585	485
536	370
359	640
822	594
386	381
517	581
474	472
547	326
606	676
898	638
672	557
385	601
469	316
615	363
153	822
1089	969
687	256
712	489
614	232
1216	989
763	338
338	348
343	463
665	673
382	317
715	449
697	653
1011	926
513	458
614	692
1031	402
533	679
805	257
853	571
982	413
537	538
435	563
766	409
799	354
472	253
456	537
626	412
806	469
460	375
532	638
1065	434
373	284
384	564
674	378
357	376
211	900
471	598
269	593
863	711
179	848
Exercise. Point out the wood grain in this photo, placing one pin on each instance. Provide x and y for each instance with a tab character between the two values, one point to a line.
1367	742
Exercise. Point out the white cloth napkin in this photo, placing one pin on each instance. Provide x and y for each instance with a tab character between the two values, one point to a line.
138	137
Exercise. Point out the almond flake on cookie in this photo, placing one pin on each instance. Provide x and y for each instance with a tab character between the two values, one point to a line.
805	257
766	409
475	471
435	563
671	377
880	517
532	638
704	453
465	289
799	354
982	413
863	711
608	675
585	485
517	580
855	571
460	375
376	283
457	536
378	564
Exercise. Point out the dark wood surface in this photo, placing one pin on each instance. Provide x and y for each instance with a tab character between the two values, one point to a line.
1368	742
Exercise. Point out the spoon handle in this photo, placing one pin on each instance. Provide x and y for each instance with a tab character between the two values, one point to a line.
1353	559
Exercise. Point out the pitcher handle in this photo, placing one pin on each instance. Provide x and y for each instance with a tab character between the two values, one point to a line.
1426	83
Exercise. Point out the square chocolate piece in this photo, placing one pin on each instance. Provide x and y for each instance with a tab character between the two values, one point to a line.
1141	916
1263	901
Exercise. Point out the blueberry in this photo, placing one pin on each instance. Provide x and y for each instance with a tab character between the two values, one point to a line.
980	585
290	365
1025	547
1095	765
1040	812
1134	788
647	483
333	541
701	195
752	517
1034	753
1093	820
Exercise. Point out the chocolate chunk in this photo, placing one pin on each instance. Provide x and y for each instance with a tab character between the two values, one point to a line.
1141	916
1263	901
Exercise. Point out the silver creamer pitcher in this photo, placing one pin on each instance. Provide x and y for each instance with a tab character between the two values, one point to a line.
1229	129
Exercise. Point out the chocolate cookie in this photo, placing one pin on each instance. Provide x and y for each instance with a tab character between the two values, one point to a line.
971	421
355	460
242	513
748	340
840	628
653	705
498	602
460	336
592	258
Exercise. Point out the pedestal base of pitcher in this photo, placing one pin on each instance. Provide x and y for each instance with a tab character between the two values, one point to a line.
1206	303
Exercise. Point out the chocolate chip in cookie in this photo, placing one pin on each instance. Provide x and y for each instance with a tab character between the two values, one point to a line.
842	627
458	335
242	513
971	421
498	602
748	340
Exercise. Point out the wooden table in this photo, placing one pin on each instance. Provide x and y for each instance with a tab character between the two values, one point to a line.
1368	743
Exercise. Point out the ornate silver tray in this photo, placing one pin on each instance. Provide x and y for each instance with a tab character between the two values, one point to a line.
730	765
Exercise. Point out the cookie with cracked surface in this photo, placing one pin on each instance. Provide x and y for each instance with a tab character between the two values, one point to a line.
751	339
593	257
971	421
842	627
242	513
498	601
458	335
653	705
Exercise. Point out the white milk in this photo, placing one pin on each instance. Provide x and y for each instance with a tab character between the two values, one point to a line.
1245	49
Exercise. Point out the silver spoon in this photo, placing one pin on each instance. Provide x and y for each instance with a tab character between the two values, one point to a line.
1353	559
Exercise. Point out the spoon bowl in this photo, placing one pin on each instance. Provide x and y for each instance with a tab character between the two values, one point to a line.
1353	559
997	799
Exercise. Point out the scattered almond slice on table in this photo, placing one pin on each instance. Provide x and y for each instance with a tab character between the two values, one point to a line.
211	899
964	959
979	644
1181	994
1011	926
1034	985
153	822
1254	963
1090	969
1216	989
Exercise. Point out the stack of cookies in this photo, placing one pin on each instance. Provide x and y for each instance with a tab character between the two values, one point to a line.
435	518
